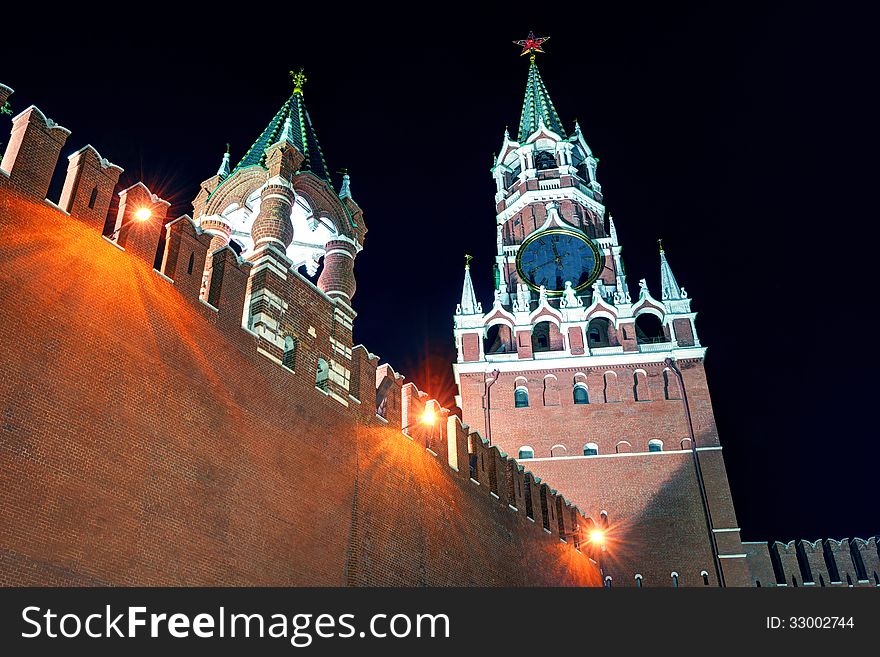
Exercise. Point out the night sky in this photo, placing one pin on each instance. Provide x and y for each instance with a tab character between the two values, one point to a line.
746	138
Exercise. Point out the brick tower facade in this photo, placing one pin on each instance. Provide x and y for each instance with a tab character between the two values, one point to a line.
601	395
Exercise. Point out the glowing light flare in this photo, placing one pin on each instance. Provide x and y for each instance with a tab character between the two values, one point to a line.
428	417
142	214
597	536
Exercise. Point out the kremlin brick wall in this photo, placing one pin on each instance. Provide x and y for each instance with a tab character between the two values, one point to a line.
149	439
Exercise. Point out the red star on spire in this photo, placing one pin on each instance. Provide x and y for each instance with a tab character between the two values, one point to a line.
531	44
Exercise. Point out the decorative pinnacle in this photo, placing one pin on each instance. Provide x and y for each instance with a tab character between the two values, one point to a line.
299	79
467	261
531	45
660	244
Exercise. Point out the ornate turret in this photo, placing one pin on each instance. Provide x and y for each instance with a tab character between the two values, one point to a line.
669	288
469	304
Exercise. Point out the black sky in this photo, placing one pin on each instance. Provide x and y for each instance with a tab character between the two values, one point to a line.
744	136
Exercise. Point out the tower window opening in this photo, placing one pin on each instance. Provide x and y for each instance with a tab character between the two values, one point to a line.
526	452
758	583
608	581
655	445
545	160
322	374
93	198
598	332
649	329
675	580
821	581
591	449
638	581
705	577
581	396
289	357
521	398
541	337
189	266
498	340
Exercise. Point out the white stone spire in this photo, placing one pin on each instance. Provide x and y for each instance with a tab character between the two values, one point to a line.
223	171
469	304
669	288
612	231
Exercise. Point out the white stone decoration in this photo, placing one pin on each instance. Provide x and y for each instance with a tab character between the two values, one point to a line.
570	298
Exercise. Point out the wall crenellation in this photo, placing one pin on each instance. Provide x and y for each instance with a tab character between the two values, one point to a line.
824	562
375	395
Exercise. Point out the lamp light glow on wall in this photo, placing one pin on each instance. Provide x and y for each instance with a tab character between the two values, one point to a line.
428	416
142	214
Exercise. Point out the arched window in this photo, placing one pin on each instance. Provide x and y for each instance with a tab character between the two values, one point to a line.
580	394
674	580
794	581
541	337
640	386
551	391
591	449
289	357
322	374
189	265
611	393
521	397
498	340
526	452
638	581
597	332
758	583
545	160
608	581
93	198
705	577
849	580
655	445
649	329
821	581
670	385
558	450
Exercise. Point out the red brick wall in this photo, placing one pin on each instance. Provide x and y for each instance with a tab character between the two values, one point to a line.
654	501
145	441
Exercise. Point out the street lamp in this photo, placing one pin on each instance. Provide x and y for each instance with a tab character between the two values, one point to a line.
141	214
428	418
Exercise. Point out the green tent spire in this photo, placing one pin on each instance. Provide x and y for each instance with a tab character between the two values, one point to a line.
537	107
301	134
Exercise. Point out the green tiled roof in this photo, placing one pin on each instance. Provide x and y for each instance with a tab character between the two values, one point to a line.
537	107
303	136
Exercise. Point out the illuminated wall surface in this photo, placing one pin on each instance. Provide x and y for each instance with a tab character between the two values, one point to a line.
146	440
209	421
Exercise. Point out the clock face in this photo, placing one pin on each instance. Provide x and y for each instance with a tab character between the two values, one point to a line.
553	256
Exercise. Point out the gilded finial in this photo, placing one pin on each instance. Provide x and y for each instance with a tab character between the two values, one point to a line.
467	261
660	244
299	79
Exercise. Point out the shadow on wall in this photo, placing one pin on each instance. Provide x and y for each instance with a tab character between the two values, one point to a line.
667	535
